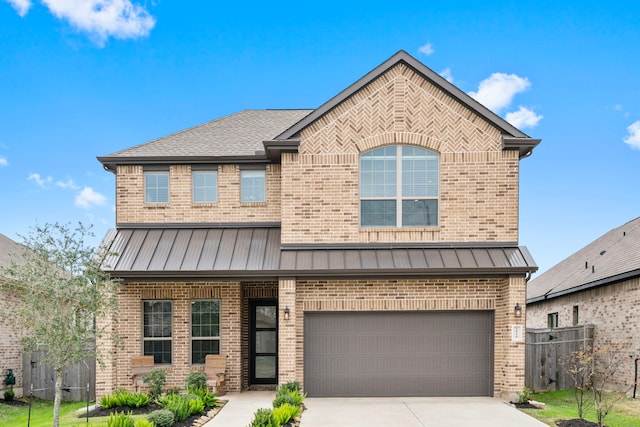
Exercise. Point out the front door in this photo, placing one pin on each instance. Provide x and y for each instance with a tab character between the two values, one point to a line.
263	344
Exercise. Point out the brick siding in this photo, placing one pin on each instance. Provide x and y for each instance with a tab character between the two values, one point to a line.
10	349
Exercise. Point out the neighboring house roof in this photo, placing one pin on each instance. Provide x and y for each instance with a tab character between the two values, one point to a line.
613	257
239	136
10	252
255	252
262	135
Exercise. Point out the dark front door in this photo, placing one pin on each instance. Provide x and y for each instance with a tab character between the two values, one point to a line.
263	364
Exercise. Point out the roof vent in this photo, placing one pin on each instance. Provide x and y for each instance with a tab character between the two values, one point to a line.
586	264
603	252
624	233
593	268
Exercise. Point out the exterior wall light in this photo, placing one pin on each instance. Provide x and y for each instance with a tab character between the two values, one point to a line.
517	310
286	313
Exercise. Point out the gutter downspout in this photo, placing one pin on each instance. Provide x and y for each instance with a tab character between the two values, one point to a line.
635	379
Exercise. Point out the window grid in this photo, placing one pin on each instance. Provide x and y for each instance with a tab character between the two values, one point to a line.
418	187
252	186
157	330
205	187
205	329
156	187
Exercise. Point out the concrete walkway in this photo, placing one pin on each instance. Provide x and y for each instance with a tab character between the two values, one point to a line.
413	412
239	410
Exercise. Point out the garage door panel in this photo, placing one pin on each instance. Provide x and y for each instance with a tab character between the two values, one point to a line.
399	353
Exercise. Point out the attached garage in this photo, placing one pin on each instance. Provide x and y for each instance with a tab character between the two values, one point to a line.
426	353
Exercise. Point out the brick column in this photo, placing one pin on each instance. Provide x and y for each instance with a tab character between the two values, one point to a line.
287	350
510	339
231	333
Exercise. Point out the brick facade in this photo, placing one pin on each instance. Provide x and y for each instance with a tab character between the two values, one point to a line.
10	349
314	195
610	308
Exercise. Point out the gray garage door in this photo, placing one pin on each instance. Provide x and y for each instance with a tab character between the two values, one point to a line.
398	353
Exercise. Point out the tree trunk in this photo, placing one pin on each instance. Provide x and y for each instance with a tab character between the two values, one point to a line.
58	398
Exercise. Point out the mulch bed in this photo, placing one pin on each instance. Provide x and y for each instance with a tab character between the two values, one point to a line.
576	422
524	405
197	420
14	402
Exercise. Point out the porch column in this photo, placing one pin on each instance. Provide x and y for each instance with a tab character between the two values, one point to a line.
287	349
510	339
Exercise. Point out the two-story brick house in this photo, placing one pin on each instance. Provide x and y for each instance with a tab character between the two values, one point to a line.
368	247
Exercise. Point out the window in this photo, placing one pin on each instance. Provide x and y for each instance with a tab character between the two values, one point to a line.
205	329
156	187
252	186
575	315
399	187
552	320
157	319
205	186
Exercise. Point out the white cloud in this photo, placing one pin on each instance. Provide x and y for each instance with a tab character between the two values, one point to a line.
523	118
497	91
4	161
21	6
67	184
427	49
633	138
88	198
446	73
101	19
40	181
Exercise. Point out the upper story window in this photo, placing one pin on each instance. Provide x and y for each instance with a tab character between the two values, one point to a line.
205	186
399	187
253	186
156	187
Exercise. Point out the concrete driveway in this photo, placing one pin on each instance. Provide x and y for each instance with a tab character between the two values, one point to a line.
414	412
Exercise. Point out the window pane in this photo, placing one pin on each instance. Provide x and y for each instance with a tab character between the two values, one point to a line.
157	319
378	177
419	213
252	186
205	187
205	318
160	350
266	316
380	213
200	348
266	342
265	366
419	172
156	187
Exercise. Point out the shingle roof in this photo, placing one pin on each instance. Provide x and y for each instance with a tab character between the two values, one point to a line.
237	135
611	258
255	251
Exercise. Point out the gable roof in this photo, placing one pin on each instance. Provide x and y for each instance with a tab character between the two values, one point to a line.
237	137
611	258
255	251
513	138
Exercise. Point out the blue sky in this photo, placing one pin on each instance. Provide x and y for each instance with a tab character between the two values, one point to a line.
83	78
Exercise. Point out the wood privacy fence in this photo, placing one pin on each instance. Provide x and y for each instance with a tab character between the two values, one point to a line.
74	379
547	350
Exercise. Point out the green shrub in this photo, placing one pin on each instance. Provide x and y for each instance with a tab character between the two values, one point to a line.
209	399
282	399
285	413
120	419
156	380
117	399
290	386
161	418
195	379
138	400
178	404
143	423
297	397
196	406
524	396
263	418
9	394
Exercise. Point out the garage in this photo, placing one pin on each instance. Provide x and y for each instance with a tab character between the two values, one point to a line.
426	353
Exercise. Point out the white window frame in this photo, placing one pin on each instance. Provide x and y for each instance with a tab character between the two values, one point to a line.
203	338
148	174
399	197
194	173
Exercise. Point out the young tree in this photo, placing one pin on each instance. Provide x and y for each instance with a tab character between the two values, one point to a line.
580	367
61	290
608	360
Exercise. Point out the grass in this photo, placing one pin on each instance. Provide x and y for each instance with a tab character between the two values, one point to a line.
42	415
561	405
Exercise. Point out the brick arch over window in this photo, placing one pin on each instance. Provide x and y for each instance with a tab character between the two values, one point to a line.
399	186
400	138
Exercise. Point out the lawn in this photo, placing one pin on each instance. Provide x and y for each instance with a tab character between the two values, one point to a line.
561	405
42	415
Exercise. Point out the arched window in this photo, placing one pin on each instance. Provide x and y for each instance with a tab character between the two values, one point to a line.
399	187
